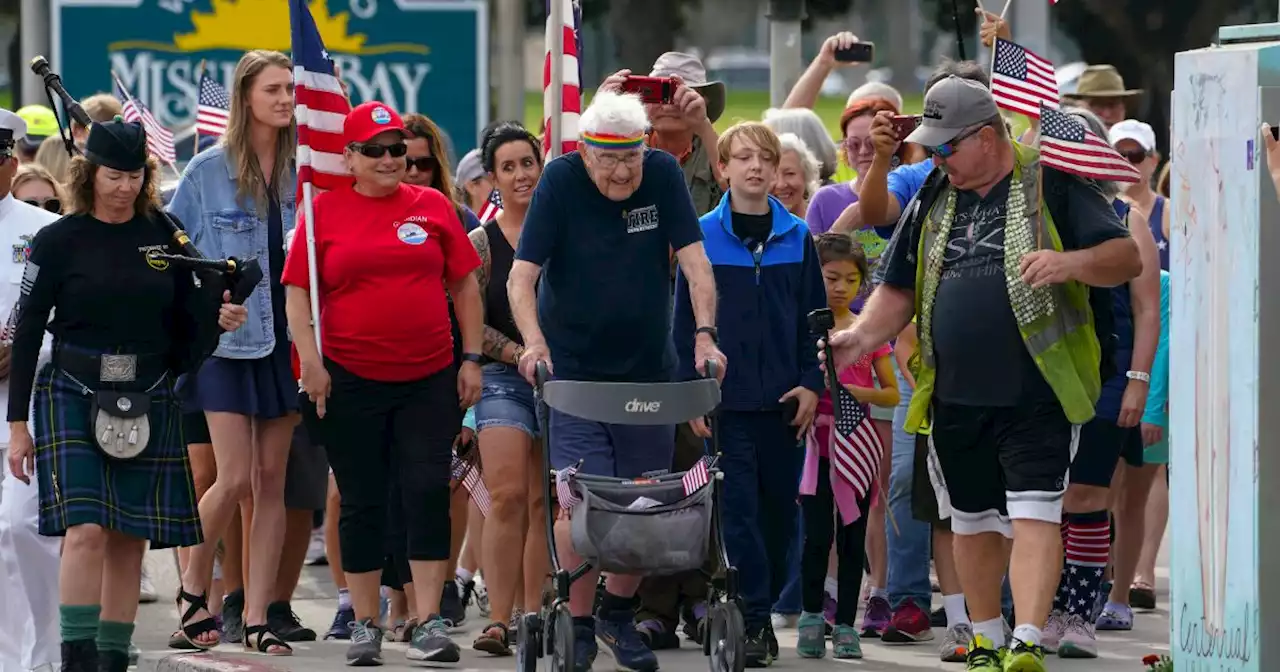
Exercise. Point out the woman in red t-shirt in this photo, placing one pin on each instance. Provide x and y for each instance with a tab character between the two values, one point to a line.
387	391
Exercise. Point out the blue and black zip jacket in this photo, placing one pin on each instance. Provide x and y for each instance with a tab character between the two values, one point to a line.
764	298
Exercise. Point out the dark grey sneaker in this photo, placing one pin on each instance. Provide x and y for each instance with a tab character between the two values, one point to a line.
233	617
431	643
452	609
366	644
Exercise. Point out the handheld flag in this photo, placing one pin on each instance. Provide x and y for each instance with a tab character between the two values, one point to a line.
1021	80
492	207
159	138
212	107
1068	145
697	477
321	106
855	446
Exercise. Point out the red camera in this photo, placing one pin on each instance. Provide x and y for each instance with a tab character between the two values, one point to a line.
652	90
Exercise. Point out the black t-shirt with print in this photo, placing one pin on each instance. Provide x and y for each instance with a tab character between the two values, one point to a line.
981	359
753	230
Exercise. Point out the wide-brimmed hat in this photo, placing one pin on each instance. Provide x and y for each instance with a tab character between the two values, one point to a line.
694	75
1102	81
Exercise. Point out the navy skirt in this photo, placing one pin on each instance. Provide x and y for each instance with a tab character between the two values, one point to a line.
261	388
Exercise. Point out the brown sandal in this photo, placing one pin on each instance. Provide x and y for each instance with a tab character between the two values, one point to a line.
496	646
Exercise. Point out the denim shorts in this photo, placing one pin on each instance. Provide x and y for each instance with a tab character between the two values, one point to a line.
506	400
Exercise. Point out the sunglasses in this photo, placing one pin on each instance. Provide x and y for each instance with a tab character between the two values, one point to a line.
1135	156
51	204
376	151
424	164
947	149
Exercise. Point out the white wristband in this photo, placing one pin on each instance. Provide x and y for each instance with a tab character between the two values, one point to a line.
1138	375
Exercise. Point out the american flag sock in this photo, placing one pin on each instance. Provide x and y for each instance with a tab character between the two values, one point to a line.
1088	548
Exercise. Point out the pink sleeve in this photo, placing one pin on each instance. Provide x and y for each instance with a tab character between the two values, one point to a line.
885	350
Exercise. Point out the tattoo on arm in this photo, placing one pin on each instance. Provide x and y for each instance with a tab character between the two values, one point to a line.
495	344
481	242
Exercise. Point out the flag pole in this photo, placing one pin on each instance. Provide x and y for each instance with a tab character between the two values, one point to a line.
195	136
313	274
555	39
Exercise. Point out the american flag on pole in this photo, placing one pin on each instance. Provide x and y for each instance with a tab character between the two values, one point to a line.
473	481
159	139
1021	80
320	108
571	97
492	207
856	448
212	107
1068	145
697	477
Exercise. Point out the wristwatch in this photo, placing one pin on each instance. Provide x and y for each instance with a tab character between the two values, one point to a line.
473	358
1138	375
710	331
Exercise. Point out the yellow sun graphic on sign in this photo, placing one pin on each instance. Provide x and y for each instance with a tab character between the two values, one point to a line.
264	24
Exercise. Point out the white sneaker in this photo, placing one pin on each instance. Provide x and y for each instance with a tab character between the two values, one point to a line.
784	621
481	595
146	591
1054	628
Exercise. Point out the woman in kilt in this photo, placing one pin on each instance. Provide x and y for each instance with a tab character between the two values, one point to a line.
108	451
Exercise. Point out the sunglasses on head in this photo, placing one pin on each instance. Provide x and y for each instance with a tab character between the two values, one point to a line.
424	164
375	151
51	204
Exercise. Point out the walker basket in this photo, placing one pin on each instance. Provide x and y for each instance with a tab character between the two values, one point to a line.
642	527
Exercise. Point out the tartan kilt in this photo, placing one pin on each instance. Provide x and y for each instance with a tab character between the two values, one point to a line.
150	496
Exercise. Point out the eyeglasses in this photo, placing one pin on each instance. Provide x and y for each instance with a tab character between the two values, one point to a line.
376	151
610	160
1135	156
424	164
948	149
51	204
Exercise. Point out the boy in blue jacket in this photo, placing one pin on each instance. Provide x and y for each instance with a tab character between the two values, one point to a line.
768	278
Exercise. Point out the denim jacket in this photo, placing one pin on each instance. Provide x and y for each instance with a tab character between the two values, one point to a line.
205	202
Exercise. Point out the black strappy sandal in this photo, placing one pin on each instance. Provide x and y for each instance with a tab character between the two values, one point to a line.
497	646
266	640
191	632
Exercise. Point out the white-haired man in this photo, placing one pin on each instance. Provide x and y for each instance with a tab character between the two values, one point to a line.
599	230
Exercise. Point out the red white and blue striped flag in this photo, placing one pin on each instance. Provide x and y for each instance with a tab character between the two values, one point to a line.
321	106
856	448
1021	80
697	477
1068	145
571	97
564	490
491	208
212	107
159	138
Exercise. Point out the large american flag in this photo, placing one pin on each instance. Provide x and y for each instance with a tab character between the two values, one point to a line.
492	207
855	447
159	139
212	107
1068	145
571	96
1021	80
320	108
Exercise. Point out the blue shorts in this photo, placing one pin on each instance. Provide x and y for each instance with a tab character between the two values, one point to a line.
506	400
621	451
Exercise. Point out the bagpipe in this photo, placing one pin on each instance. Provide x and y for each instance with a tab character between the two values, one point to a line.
212	277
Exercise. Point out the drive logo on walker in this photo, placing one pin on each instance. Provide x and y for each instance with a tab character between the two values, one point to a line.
637	406
425	56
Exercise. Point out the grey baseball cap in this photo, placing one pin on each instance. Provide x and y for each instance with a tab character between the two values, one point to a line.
951	106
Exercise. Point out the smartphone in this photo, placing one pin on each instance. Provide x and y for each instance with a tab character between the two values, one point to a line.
904	124
1275	132
652	90
822	320
859	52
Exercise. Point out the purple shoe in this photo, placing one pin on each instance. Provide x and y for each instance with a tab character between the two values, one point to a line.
876	617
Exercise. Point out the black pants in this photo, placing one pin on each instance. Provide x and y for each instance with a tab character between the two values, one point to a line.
820	516
377	431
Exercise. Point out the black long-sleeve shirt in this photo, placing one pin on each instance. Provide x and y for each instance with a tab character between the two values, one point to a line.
103	292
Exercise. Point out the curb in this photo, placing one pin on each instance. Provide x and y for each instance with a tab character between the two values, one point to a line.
203	661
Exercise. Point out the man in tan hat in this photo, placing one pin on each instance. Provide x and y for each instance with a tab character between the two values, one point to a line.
684	128
1101	89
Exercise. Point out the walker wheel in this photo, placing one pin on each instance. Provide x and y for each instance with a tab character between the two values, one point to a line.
560	638
726	638
528	642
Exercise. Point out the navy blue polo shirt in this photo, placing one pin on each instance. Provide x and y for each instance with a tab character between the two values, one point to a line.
604	300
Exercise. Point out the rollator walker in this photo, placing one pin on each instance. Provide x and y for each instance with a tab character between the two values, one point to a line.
660	523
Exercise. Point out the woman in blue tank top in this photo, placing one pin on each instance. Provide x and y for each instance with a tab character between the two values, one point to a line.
1136	142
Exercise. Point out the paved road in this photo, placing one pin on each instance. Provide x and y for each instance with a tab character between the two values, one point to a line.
315	602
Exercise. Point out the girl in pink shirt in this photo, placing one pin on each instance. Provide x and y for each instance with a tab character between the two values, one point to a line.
823	493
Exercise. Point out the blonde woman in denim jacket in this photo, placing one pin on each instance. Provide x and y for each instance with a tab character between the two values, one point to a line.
237	200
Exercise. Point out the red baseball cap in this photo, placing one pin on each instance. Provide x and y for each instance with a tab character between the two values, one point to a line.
369	119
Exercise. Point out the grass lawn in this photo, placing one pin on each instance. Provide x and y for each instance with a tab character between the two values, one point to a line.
741	106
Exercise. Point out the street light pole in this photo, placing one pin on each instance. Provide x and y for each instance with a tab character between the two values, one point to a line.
33	33
786	60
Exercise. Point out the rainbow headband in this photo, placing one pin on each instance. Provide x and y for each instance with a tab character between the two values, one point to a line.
609	141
